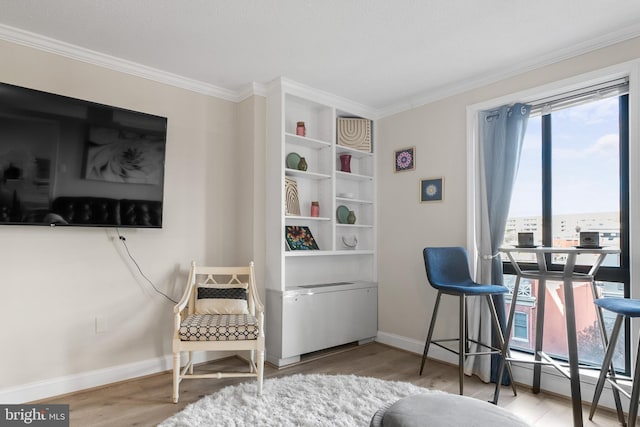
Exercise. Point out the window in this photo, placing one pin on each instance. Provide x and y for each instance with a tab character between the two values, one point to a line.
573	176
521	326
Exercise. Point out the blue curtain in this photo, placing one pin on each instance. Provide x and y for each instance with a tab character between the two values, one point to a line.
501	136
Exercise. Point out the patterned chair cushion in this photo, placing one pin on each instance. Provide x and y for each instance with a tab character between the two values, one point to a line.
219	327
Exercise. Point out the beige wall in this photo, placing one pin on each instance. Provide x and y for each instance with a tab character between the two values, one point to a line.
438	131
248	170
54	282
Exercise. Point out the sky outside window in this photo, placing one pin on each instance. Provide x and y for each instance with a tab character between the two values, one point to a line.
585	162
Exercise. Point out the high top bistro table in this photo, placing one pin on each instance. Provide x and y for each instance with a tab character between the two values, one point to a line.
568	276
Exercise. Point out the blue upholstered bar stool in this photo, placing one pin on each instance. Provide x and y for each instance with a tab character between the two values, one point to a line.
623	307
448	272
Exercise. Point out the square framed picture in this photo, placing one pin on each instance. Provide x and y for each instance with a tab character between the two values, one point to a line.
299	238
404	159
431	190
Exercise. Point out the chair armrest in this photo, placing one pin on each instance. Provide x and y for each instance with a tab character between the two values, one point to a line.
179	307
259	307
183	301
258	304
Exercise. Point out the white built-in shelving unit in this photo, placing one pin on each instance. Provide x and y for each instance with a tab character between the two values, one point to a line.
326	297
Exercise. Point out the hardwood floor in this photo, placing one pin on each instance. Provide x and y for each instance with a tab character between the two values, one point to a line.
147	401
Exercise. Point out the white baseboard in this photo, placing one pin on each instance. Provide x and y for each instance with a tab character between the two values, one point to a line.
70	383
551	380
415	346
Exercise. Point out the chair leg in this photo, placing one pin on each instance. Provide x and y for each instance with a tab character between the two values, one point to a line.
462	341
635	393
191	362
430	333
466	328
605	343
606	364
260	367
252	360
176	376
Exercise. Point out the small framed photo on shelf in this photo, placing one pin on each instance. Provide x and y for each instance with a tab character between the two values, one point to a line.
431	190
404	159
299	238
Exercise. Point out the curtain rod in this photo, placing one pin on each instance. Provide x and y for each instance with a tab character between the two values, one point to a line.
620	85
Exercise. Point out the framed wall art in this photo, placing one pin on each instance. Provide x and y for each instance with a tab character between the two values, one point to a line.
404	159
431	190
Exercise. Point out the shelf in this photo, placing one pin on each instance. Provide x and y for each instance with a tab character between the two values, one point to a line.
353	252
291	254
353	176
305	174
357	154
306	218
304	141
354	225
308	253
358	201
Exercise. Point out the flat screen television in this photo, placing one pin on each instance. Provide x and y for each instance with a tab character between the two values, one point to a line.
70	162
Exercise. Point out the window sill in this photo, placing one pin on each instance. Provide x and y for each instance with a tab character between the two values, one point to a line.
587	375
553	382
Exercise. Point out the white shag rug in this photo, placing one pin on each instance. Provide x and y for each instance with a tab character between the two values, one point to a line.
297	400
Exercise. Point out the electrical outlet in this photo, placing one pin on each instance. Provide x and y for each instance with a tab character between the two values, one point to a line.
102	325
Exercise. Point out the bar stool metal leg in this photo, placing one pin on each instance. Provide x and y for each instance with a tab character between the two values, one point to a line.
462	353
430	333
605	343
635	393
464	343
606	363
502	343
505	347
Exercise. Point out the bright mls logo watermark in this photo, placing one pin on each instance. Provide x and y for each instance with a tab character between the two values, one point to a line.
34	415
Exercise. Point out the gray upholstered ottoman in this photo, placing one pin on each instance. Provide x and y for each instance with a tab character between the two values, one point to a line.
443	410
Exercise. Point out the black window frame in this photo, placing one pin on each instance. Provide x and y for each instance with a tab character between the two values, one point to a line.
619	274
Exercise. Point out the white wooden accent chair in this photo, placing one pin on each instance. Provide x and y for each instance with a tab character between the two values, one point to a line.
219	311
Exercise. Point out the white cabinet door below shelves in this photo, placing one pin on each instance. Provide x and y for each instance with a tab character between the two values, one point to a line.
322	320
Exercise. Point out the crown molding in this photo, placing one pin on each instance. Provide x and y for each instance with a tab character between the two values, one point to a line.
343	104
456	88
47	44
252	89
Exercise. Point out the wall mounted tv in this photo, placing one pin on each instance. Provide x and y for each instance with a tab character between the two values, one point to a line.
69	162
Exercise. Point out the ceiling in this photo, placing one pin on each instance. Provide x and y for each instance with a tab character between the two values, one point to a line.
384	54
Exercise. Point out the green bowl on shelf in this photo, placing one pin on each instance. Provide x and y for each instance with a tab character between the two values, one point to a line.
342	213
293	160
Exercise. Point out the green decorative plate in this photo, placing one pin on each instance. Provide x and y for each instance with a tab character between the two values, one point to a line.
293	159
342	213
